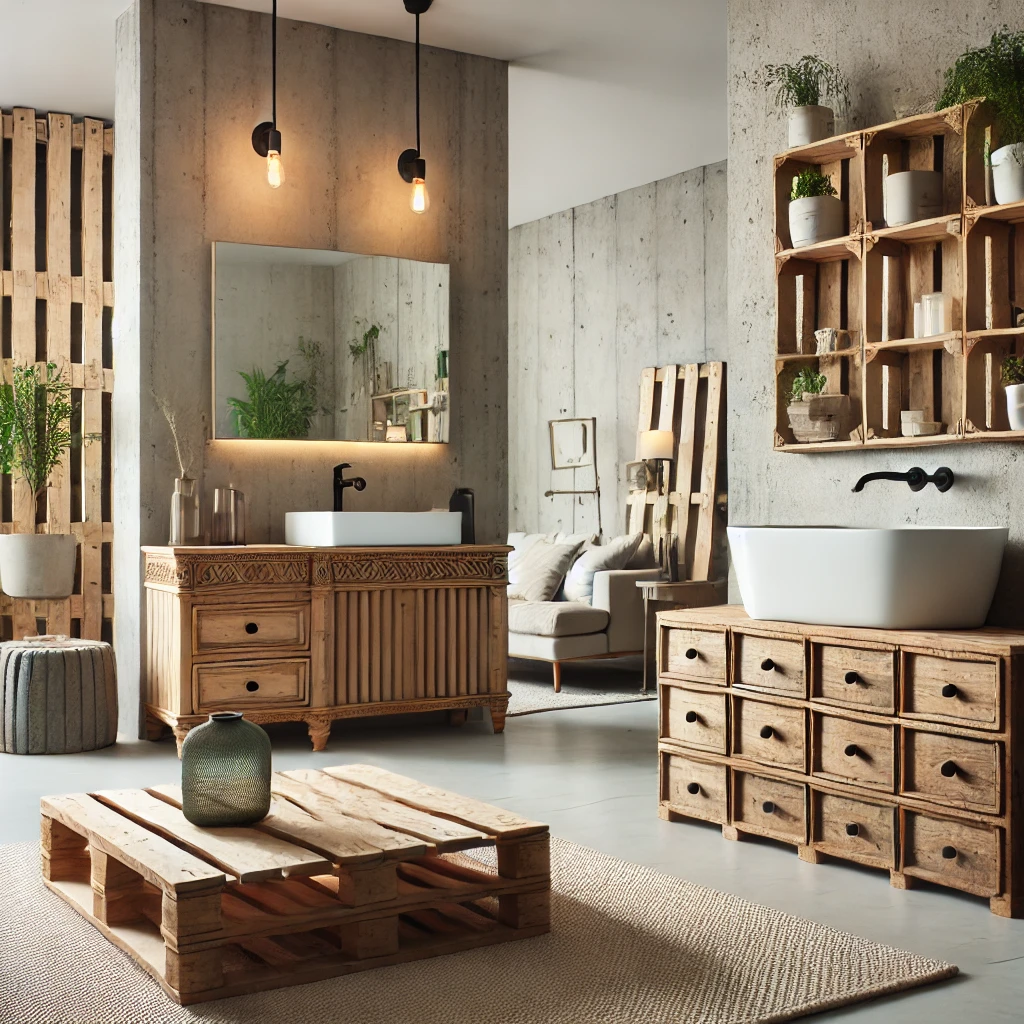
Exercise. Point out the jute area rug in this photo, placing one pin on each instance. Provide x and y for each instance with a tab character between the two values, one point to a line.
628	946
584	685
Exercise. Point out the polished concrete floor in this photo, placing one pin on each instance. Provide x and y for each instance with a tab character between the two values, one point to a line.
591	773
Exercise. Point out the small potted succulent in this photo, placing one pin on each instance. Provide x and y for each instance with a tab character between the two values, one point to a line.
813	414
815	210
801	87
1013	381
996	72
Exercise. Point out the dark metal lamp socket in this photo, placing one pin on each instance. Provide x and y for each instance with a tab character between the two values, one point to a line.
412	166
265	137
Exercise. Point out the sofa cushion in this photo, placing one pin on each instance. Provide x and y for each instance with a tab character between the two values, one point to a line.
538	572
555	618
579	584
645	556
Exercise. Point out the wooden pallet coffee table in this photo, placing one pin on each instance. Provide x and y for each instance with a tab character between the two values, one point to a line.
353	868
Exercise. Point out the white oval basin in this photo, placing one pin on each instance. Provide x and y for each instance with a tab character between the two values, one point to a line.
372	529
907	578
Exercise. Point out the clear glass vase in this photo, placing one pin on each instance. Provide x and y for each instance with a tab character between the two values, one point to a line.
184	512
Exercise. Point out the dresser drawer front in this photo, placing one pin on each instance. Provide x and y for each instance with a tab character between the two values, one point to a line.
251	628
694	654
854	829
947	689
951	770
854	751
769	807
768	664
696	789
769	734
952	853
694	718
251	684
855	677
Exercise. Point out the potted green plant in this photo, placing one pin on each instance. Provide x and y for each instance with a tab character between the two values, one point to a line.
996	72
801	87
815	210
35	436
813	414
1013	381
275	407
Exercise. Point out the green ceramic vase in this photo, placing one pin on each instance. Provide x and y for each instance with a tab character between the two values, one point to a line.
225	772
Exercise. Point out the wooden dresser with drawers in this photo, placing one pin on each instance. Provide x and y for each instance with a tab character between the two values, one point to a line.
898	750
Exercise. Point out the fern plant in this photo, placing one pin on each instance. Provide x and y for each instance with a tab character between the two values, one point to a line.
1012	371
276	407
810	183
996	72
807	382
806	82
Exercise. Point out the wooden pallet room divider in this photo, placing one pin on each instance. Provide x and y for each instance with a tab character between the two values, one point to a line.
56	299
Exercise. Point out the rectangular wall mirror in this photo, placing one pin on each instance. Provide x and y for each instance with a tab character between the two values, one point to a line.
312	344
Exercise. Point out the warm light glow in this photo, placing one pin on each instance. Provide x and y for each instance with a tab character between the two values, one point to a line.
657	444
275	169
420	201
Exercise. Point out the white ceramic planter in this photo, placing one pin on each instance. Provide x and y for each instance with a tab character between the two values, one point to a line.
820	418
912	195
815	219
810	124
1015	405
1008	173
37	566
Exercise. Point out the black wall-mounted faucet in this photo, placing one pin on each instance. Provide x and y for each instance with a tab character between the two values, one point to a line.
917	479
340	483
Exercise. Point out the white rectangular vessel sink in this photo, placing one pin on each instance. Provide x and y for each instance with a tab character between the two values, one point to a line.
372	529
907	578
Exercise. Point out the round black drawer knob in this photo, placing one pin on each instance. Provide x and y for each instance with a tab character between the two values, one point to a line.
251	627
851	750
949	769
693	788
851	678
767	665
949	853
691	653
691	717
852	829
768	807
949	690
252	686
767	732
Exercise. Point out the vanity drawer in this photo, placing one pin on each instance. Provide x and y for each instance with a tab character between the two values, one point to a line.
695	718
854	677
230	686
951	770
251	628
769	664
952	853
948	689
694	788
853	829
693	654
769	734
853	751
769	807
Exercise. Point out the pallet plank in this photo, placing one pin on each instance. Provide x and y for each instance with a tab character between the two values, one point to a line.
704	546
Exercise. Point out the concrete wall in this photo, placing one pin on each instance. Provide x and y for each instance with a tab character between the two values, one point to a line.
895	63
192	81
596	294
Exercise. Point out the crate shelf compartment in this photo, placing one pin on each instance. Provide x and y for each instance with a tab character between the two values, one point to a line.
981	132
810	296
995	275
843	371
985	398
935	229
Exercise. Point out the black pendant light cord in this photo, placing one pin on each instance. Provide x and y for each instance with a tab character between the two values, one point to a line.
418	147
273	65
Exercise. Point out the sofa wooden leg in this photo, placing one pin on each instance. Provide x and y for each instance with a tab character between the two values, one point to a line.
557	669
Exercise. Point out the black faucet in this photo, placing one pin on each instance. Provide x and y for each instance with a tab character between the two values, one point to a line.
916	478
340	483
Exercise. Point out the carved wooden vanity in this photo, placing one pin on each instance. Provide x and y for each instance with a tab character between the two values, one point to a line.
294	634
897	749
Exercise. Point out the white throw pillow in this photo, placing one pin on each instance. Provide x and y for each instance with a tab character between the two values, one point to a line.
538	572
644	557
616	554
521	542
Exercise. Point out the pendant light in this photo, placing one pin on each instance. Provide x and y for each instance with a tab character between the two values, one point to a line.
266	139
411	165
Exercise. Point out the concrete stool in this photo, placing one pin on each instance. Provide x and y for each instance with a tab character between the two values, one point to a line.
58	695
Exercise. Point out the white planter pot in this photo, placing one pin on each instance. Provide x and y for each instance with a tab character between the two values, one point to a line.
37	566
810	124
912	195
815	219
1015	405
1008	173
820	418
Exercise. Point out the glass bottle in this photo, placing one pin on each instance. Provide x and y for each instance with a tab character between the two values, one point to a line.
184	512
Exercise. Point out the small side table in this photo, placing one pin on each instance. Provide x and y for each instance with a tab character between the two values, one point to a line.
662	596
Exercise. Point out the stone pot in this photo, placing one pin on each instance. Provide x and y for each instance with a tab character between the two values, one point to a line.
1015	405
820	418
38	565
1008	173
815	219
911	196
810	124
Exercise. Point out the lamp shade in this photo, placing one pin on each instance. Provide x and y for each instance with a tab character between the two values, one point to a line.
657	444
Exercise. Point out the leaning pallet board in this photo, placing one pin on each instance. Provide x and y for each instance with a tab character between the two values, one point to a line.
58	298
354	868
